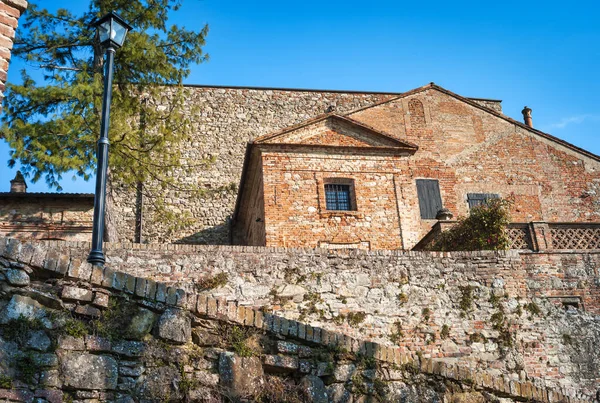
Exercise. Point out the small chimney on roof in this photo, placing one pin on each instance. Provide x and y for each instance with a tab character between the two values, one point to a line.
527	116
18	184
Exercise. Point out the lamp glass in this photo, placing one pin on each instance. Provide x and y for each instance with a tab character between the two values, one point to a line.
103	31
112	30
117	33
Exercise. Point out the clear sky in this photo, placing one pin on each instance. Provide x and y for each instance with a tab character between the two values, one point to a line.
543	54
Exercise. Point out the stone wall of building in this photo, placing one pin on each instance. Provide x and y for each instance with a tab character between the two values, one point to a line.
70	331
523	316
226	120
46	216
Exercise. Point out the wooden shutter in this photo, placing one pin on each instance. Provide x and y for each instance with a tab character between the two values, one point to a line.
477	199
430	200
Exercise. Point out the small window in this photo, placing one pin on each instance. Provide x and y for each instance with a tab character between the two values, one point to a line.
478	199
338	196
430	200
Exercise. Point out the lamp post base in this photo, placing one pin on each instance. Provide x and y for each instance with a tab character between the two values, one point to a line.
96	257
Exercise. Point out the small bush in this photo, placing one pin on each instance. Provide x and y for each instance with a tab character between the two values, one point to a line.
445	332
356	318
533	308
27	368
483	229
426	312
243	341
114	321
466	298
18	329
397	334
75	328
210	282
5	382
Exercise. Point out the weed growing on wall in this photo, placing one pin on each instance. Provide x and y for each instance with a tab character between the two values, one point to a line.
484	229
210	282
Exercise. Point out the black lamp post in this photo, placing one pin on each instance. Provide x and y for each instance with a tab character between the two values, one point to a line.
111	31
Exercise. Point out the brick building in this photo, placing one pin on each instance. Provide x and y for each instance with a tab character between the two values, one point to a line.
41	215
377	177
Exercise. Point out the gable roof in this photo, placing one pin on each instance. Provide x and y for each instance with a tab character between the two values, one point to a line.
374	138
473	103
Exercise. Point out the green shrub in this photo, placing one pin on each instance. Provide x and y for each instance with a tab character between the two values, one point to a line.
5	382
114	321
483	229
75	328
27	368
18	329
445	332
356	318
210	282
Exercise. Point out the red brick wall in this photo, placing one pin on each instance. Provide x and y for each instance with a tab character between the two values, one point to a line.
10	11
295	211
472	151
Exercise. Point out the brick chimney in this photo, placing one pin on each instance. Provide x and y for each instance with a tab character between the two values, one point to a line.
18	184
527	116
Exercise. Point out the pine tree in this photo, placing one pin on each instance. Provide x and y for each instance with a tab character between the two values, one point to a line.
52	127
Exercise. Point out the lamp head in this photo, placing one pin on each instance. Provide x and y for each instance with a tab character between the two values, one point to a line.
111	30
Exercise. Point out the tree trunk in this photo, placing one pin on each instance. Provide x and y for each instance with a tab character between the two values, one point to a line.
110	222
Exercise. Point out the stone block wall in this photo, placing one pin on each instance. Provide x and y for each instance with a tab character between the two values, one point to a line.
228	118
73	332
511	313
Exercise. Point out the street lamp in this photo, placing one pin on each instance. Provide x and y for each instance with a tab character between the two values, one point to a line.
111	32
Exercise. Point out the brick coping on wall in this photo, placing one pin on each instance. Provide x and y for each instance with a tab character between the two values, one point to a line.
43	256
159	247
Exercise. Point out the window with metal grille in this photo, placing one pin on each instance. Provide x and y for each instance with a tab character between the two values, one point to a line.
478	199
430	200
338	197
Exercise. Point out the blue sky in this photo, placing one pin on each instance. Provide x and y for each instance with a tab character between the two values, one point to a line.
545	55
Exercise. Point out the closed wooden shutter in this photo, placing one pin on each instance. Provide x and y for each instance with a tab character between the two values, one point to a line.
477	199
430	200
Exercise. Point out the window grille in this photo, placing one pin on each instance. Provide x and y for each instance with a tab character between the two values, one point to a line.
337	197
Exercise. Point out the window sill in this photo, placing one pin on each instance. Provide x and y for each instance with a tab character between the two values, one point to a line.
341	213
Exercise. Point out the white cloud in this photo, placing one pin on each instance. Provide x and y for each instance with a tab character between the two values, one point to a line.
564	122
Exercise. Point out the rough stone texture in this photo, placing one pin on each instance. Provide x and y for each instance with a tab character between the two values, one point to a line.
87	371
175	325
141	324
228	119
427	363
22	306
38	340
242	376
17	277
77	294
314	389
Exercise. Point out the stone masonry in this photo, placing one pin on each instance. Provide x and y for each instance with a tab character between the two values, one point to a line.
73	332
516	315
